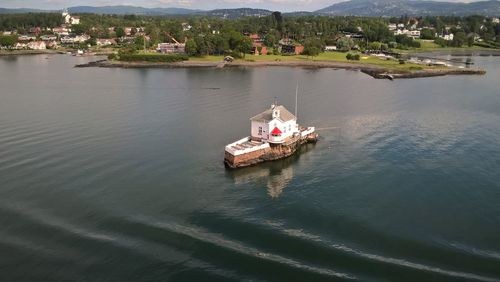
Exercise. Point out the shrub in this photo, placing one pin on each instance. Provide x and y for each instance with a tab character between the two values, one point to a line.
352	57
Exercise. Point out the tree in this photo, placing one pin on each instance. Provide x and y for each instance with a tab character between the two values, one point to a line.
278	21
191	47
376	46
140	42
345	44
8	41
459	39
427	33
201	45
270	40
120	32
245	45
312	47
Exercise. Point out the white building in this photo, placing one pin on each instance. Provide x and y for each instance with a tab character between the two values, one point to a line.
392	27
414	33
495	20
105	42
186	27
19	46
330	48
169	48
274	125
61	31
48	37
26	37
69	19
410	33
36	45
447	36
71	39
74	20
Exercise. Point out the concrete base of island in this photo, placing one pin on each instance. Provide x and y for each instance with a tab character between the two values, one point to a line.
268	152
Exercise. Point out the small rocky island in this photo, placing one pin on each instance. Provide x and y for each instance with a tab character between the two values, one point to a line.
275	135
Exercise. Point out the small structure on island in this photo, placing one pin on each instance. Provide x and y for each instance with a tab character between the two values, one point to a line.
275	134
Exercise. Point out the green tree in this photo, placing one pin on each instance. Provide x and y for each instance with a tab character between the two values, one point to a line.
376	46
312	47
140	42
345	44
8	40
427	33
245	45
459	39
270	40
191	47
120	32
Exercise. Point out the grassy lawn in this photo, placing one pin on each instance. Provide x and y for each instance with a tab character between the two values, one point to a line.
327	56
430	46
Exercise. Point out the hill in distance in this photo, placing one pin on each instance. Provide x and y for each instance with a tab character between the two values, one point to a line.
369	8
130	10
381	8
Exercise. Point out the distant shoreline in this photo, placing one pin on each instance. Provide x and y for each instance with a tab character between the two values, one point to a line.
29	52
375	71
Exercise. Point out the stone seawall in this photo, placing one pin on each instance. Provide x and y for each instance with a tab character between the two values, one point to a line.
274	152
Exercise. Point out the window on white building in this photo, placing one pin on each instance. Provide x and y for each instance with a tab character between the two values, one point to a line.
260	130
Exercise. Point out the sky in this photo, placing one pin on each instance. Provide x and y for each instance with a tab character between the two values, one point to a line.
279	5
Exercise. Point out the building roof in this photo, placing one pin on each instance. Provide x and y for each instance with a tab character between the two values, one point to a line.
267	115
276	131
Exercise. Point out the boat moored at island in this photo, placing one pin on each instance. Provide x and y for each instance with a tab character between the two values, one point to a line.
275	134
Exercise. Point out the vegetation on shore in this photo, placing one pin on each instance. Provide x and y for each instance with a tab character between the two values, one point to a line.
155	58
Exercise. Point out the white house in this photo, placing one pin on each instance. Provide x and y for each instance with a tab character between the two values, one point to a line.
414	33
74	20
19	46
105	42
61	31
36	45
170	48
26	37
48	37
447	36
274	125
330	48
69	19
495	20
71	39
392	27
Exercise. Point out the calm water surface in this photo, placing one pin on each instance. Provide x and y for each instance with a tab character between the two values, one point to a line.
117	175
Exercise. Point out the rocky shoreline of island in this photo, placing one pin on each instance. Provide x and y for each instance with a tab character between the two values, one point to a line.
378	72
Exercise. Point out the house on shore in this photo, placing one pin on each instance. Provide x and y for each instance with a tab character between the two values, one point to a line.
171	48
49	37
292	49
105	41
258	47
36	45
26	37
